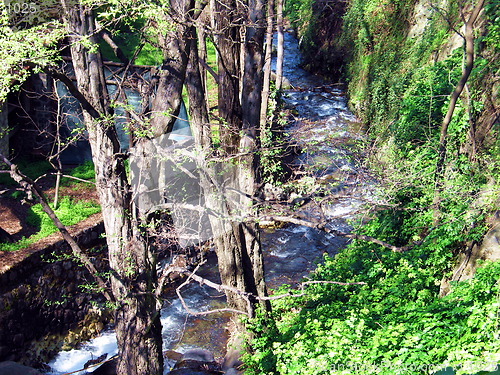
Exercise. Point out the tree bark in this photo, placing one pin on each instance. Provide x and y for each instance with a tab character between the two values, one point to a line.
228	47
133	273
237	244
175	47
249	177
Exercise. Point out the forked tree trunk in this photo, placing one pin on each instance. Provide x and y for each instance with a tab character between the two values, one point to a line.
133	273
237	243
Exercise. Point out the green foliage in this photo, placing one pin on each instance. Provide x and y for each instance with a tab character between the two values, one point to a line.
272	141
69	212
399	84
299	13
128	38
33	42
492	10
395	323
384	58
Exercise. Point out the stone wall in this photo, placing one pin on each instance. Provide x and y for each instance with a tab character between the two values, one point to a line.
46	295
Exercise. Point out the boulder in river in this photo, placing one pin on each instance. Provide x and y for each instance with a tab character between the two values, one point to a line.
197	362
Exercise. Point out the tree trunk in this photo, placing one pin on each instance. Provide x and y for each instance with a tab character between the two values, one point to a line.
469	64
237	243
133	273
228	47
281	41
249	177
267	64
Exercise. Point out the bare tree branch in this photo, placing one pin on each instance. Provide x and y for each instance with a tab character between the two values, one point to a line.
323	227
245	295
28	184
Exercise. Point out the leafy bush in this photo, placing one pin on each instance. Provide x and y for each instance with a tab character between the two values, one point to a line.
395	323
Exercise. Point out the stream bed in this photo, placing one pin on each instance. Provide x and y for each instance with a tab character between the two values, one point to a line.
325	131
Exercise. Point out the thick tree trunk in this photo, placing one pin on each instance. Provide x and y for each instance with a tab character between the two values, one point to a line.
228	47
133	271
249	177
237	243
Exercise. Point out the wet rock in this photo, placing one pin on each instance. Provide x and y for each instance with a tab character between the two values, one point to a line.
69	316
95	361
233	371
108	368
172	355
185	371
22	291
200	355
56	269
272	192
232	359
13	368
197	362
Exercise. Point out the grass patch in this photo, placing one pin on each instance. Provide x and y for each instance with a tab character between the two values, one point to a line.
69	212
84	171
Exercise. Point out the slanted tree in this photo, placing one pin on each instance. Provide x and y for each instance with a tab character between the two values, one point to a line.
455	95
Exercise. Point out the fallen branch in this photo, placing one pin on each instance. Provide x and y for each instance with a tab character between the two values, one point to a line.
92	365
218	287
323	227
30	186
245	295
302	288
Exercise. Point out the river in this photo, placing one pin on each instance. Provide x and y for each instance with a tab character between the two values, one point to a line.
325	131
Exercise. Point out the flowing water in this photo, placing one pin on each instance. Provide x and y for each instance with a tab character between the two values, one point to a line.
325	131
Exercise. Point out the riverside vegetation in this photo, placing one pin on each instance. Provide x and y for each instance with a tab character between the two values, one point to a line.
404	58
399	79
